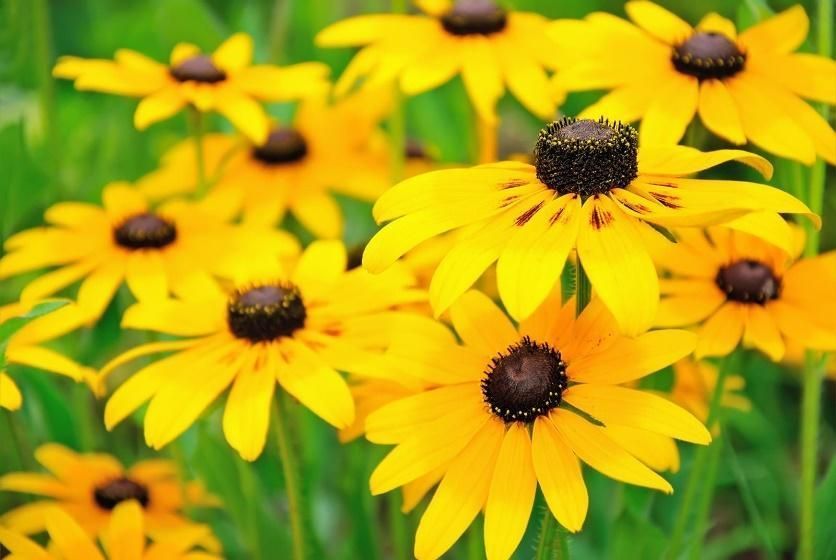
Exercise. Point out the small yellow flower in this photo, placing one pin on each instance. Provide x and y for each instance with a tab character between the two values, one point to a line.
745	86
89	487
225	82
515	408
694	382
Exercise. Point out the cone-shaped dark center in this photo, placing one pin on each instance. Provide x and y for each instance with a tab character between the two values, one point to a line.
198	69
284	145
586	157
708	55
748	282
264	313
474	17
145	231
525	382
4	551
110	495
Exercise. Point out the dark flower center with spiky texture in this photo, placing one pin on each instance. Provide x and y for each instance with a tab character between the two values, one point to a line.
264	313
708	55
586	157
474	17
110	495
284	145
198	68
526	382
748	282
145	231
4	551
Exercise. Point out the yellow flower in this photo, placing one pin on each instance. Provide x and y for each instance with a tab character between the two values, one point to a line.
225	82
515	408
89	486
122	539
329	148
746	86
694	382
490	47
591	188
169	249
296	329
735	286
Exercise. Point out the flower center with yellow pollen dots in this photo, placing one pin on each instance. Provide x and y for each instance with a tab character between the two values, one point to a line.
110	495
283	145
525	382
265	313
474	17
585	156
748	282
198	69
145	231
708	55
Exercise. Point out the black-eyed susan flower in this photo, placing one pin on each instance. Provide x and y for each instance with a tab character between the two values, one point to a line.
225	82
328	148
296	329
155	251
89	487
517	408
123	539
591	188
694	382
737	287
744	86
490	47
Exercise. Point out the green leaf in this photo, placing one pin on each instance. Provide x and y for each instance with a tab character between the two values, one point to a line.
825	537
11	326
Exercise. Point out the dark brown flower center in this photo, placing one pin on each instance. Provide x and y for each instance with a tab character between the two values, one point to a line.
748	282
264	313
283	145
414	149
110	495
586	157
708	55
474	17
4	551
145	231
525	382
198	68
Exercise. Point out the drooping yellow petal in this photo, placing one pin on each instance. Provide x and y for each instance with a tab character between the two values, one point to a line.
808	75
436	67
158	106
320	214
246	114
357	30
782	33
769	226
761	332
69	538
720	334
671	111
526	79
46	359
684	160
10	397
97	290
234	54
481	76
718	24
321	265
124	537
719	113
297	81
247	413
689	309
176	317
22	547
658	21
797	325
656	451
145	276
52	282
481	324
144	350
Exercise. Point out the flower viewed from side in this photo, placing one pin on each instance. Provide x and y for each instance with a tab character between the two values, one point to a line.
159	251
328	148
734	286
745	86
122	539
225	82
517	408
694	382
591	188
490	47
89	487
296	329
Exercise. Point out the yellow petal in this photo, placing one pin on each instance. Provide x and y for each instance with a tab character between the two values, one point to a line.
297	81
526	79
684	160
357	30
69	538
769	226
797	324
236	53
671	111
146	277
158	106
45	359
689	309
481	324
247	413
245	114
121	200
176	317
658	21
182	52
656	451
719	113
721	333
626	103
321	265
559	474
782	33
52	282
320	214
436	67
10	397
762	332
481	77
124	537
718	24
22	547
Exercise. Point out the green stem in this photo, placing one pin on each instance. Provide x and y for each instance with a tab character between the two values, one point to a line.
196	126
24	454
583	289
706	496
397	525
46	89
248	489
474	544
397	119
293	486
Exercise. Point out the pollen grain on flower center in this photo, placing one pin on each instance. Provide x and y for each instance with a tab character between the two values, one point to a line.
748	281
283	145
708	55
145	231
474	17
267	312
111	494
198	69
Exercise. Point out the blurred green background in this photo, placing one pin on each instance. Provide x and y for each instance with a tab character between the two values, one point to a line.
59	144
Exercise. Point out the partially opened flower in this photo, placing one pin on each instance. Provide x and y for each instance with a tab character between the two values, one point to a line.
328	149
293	329
155	251
591	188
89	487
735	287
490	47
746	86
225	82
516	408
123	539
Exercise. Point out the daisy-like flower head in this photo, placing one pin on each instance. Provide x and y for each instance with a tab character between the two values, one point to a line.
490	47
89	487
296	329
156	251
591	188
225	82
745	86
735	286
123	539
328	148
514	408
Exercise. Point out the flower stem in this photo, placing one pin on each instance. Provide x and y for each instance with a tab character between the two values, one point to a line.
196	126
397	525
248	489
583	289
287	456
